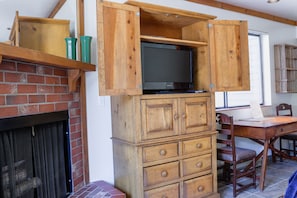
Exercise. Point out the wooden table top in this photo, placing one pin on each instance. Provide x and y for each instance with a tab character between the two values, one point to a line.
266	121
265	128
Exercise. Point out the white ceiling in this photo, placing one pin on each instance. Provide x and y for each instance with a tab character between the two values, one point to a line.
283	8
42	8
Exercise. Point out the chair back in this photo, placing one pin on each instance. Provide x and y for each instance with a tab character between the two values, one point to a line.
284	109
225	136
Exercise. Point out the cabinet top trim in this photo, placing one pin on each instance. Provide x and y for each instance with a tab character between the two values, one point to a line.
152	8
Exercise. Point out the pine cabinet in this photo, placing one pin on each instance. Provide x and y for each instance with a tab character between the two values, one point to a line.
220	47
165	144
285	58
155	154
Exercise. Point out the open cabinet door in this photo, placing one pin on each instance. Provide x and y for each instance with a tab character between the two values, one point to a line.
229	55
118	49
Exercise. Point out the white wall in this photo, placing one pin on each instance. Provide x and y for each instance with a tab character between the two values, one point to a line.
98	108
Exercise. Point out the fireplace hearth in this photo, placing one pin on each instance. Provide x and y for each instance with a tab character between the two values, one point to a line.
34	156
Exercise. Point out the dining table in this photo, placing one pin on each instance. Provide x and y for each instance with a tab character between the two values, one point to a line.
265	131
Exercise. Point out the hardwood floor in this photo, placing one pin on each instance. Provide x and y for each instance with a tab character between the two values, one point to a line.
276	181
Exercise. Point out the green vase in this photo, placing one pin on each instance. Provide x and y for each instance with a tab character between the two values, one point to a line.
71	48
85	44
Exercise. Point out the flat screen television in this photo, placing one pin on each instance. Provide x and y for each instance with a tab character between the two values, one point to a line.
166	68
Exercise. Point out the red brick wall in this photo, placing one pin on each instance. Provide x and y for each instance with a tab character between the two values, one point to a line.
27	89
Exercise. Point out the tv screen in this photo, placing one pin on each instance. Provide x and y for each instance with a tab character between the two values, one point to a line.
166	67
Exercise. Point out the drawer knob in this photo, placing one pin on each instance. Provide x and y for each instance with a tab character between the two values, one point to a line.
164	173
200	188
162	152
199	165
198	145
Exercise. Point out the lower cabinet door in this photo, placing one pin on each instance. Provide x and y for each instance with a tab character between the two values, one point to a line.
159	118
170	191
198	187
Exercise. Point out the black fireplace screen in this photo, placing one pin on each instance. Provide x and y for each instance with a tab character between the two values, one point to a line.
35	160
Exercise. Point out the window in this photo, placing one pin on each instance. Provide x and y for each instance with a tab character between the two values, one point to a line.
259	83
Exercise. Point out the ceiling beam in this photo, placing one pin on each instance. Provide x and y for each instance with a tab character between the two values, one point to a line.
56	8
242	10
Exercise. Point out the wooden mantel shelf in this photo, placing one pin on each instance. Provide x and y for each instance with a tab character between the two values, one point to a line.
33	56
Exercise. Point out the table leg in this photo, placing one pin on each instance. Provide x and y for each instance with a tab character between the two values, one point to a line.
264	164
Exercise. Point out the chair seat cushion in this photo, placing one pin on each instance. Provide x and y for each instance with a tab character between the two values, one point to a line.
241	154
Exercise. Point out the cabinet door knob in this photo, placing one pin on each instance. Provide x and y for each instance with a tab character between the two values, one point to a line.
198	145
184	116
162	152
199	165
164	173
176	116
200	188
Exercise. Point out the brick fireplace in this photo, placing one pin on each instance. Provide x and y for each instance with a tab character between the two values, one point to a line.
28	89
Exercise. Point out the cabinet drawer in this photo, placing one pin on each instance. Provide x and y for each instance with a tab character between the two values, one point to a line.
198	187
170	191
196	164
281	130
159	152
161	173
197	145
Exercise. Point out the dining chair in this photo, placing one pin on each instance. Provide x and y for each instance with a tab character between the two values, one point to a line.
234	159
285	109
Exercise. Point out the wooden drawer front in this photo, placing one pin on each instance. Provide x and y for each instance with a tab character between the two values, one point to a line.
159	152
161	173
195	114
196	164
286	129
170	191
159	118
197	145
198	187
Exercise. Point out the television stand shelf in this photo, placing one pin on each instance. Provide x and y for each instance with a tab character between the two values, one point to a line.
157	39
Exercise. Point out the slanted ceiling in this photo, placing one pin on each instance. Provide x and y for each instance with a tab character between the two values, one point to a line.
247	11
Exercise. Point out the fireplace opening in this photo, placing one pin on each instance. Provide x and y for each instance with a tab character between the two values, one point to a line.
35	156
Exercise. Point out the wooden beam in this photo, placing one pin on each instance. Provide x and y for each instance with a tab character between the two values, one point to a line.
80	23
251	12
56	8
84	128
83	101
